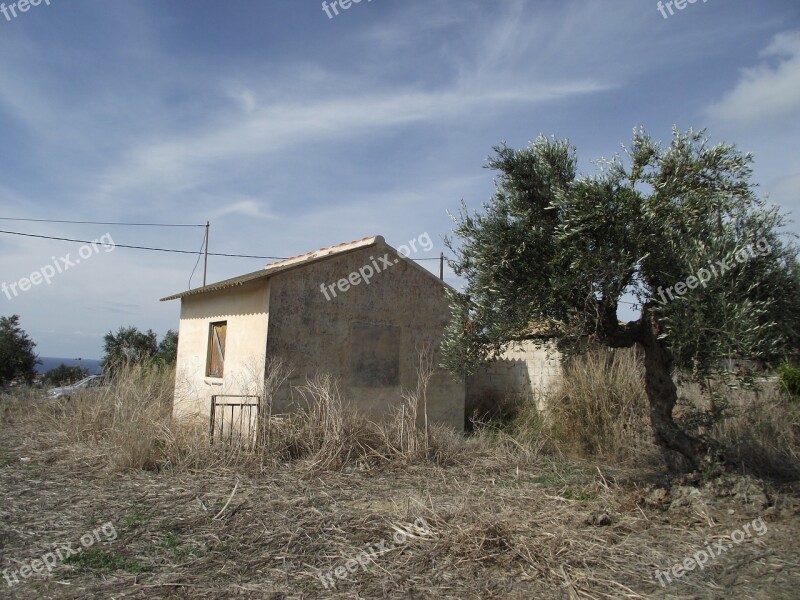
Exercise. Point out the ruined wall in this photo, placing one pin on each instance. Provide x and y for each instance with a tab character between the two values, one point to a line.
523	372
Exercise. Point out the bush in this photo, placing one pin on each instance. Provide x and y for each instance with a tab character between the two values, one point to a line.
789	378
17	358
64	375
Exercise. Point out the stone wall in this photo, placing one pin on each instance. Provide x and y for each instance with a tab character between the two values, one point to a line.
523	372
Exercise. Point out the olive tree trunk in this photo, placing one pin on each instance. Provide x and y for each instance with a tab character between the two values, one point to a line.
663	395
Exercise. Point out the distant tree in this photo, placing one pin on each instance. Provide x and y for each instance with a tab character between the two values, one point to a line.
64	375
17	359
679	229
128	346
168	348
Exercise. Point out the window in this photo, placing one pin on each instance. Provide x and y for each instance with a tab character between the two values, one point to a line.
215	365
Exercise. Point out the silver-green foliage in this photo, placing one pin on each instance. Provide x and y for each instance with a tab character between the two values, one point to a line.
553	254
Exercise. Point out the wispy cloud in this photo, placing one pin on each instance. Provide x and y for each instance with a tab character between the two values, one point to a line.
769	92
269	115
247	208
181	162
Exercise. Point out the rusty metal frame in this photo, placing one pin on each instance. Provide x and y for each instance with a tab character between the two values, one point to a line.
215	403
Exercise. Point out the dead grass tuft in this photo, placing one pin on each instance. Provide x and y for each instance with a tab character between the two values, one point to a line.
124	417
599	407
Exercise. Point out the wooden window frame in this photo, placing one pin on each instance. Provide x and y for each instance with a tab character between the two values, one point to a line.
213	334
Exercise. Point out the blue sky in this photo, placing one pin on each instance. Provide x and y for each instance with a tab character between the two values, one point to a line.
289	130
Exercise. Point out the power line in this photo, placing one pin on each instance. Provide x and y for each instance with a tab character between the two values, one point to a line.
61	239
199	256
47	237
102	223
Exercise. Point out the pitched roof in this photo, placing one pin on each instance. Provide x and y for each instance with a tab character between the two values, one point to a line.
326	252
283	265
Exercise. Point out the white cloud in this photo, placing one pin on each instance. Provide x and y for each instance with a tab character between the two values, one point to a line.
248	208
767	93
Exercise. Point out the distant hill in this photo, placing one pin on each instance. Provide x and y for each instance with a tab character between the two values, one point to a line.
48	363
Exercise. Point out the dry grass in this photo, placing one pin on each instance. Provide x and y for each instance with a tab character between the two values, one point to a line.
499	528
599	408
758	428
124	419
325	432
763	437
131	424
197	521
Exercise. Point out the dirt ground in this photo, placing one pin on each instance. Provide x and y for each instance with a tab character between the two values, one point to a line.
492	527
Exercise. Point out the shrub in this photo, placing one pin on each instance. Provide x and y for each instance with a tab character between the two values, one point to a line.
789	378
64	375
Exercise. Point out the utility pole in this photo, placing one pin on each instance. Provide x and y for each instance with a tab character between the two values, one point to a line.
205	266
441	266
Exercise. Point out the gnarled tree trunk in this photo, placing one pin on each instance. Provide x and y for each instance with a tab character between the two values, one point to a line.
662	395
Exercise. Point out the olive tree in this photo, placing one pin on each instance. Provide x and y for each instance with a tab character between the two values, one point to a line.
131	346
17	357
168	348
128	346
677	229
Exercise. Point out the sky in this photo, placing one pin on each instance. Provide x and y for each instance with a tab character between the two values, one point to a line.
290	128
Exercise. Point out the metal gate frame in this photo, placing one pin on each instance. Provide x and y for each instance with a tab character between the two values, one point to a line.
233	406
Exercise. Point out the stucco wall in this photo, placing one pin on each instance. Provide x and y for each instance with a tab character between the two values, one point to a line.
246	310
524	371
366	337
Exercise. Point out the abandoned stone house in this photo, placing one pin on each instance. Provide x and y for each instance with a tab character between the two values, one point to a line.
359	312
